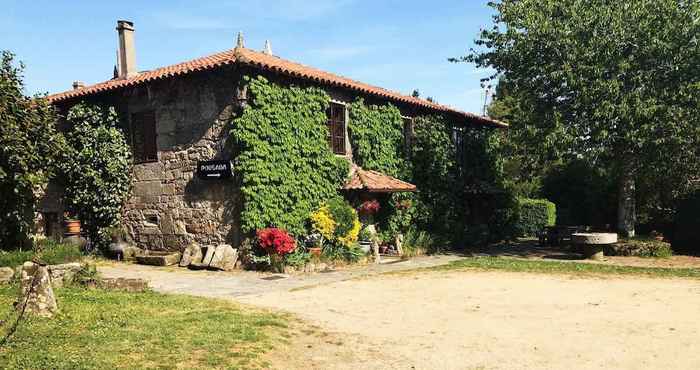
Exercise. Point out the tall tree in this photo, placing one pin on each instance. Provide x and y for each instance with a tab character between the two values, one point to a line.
623	76
29	145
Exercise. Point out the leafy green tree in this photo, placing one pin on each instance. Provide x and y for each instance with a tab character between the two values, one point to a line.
623	77
29	144
96	169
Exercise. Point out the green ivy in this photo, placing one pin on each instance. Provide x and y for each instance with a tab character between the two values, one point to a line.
96	169
376	135
287	169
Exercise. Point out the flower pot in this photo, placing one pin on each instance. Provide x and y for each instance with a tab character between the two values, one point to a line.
365	246
72	227
315	252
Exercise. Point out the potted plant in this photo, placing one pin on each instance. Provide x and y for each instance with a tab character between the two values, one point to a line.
365	240
367	210
314	243
72	225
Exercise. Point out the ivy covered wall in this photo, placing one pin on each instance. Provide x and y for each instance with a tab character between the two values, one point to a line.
282	155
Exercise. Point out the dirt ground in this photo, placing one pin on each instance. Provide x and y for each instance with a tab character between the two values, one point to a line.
491	320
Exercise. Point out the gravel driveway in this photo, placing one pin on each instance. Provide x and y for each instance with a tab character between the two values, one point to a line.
462	320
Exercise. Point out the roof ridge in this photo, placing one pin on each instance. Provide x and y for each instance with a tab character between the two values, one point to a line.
268	62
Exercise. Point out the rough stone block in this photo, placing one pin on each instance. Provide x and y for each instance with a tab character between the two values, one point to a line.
224	258
129	285
64	273
208	255
159	258
6	274
146	188
36	295
191	254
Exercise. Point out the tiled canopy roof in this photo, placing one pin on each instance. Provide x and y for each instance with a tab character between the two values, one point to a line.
266	62
376	182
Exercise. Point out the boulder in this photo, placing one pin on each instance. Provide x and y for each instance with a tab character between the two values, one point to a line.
131	252
224	258
206	260
159	258
6	274
63	273
36	295
191	254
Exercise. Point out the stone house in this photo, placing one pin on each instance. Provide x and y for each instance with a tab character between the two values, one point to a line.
176	117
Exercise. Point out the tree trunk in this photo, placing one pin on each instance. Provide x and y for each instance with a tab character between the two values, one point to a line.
626	208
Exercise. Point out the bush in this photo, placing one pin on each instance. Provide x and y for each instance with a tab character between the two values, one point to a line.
96	170
46	251
337	222
418	242
685	237
533	215
640	247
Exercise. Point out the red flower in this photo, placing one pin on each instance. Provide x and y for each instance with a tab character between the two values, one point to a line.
369	207
276	241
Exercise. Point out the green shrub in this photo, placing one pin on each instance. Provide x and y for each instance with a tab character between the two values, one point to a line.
418	242
51	252
298	258
96	169
46	251
343	215
533	215
685	237
640	247
15	258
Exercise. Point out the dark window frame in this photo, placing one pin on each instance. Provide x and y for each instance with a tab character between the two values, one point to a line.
336	121
144	136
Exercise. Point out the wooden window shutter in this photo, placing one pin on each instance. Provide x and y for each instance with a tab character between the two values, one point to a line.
144	137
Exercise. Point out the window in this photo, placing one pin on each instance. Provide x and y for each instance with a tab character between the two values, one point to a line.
143	137
336	128
407	135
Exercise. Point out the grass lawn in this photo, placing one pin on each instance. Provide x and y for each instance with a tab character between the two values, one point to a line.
99	329
577	268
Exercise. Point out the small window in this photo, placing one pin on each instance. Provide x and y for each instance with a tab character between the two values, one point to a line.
144	138
408	135
336	128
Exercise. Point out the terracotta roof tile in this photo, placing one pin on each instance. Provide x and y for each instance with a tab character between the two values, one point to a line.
376	182
265	62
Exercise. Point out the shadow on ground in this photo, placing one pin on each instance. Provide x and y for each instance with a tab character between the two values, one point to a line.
529	248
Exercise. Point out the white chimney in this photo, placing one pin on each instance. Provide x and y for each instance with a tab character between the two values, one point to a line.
78	85
126	54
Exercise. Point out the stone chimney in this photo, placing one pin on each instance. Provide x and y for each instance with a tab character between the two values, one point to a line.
78	85
126	53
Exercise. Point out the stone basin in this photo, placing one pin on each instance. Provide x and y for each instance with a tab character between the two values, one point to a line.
158	258
593	243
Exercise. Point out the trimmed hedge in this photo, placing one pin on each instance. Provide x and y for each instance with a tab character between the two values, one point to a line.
533	215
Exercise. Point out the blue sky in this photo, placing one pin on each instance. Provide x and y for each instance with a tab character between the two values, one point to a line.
396	44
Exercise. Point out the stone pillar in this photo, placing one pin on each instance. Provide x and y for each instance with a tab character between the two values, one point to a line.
35	291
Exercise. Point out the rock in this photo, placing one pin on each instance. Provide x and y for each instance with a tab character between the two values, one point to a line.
36	295
6	274
206	260
191	254
64	273
131	252
129	285
224	258
159	258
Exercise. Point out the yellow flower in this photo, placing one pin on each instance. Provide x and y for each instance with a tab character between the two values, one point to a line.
323	223
351	238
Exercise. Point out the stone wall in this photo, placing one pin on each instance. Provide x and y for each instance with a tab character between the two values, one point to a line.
169	205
